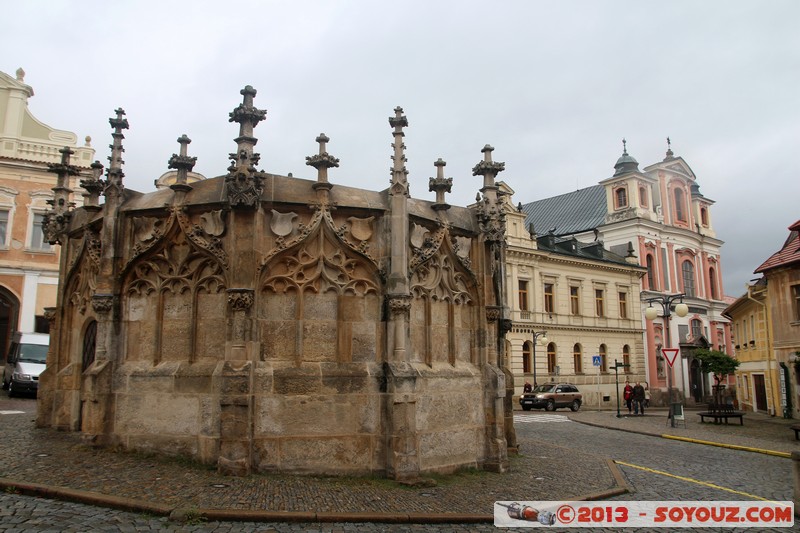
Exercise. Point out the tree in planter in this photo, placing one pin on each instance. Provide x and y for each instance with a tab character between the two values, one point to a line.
719	364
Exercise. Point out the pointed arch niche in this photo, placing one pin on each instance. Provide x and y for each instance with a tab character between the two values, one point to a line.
442	307
174	303
320	301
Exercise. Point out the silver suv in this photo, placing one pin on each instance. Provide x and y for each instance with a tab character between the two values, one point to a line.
551	396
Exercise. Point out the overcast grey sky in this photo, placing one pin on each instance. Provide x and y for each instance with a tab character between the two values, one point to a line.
553	86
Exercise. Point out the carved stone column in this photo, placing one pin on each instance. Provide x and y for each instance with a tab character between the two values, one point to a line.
236	415
44	410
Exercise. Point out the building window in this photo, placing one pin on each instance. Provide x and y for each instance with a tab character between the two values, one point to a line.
551	358
599	302
642	196
704	216
37	235
3	227
796	299
577	358
526	358
680	207
651	273
626	358
697	328
523	295
623	305
549	298
621	198
603	363
712	280
687	268
575	300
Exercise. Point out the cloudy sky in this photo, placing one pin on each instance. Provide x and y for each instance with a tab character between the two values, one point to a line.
553	86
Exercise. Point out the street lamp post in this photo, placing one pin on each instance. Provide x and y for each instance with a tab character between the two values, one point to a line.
651	313
538	336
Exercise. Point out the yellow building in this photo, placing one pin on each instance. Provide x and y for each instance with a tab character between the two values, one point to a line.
28	263
575	310
757	378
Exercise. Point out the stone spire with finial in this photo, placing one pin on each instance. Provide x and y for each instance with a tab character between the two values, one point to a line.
115	174
322	161
93	187
184	164
440	185
244	183
56	219
491	218
398	170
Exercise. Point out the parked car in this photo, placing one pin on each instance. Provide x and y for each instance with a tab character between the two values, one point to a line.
26	359
551	396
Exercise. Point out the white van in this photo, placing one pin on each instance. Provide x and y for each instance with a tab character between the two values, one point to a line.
26	359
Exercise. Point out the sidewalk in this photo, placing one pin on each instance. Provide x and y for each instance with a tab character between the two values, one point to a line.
760	432
57	465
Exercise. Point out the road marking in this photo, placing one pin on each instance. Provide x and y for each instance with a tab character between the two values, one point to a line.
12	412
692	480
544	419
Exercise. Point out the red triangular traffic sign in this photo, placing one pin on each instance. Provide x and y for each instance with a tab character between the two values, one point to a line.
670	354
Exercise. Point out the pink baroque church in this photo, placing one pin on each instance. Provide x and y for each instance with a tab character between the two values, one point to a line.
266	323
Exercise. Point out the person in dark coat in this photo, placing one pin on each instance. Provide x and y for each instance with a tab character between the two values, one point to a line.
638	399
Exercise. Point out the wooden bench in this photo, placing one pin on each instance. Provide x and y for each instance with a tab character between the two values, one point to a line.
796	428
721	413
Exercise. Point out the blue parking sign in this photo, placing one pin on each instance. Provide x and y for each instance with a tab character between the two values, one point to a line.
596	360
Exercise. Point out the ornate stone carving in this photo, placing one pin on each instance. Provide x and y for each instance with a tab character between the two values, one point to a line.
493	313
361	228
240	299
102	303
430	245
439	279
83	270
212	223
399	304
462	246
175	269
321	265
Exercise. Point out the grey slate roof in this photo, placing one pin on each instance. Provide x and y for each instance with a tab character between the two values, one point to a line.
570	213
572	247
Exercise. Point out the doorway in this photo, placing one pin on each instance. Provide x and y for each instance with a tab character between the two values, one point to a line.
759	393
9	311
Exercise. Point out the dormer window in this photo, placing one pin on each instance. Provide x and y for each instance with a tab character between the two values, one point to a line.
620	198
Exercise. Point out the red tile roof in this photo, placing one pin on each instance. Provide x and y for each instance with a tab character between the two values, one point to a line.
790	253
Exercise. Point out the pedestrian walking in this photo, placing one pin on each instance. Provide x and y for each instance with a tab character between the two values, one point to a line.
627	394
638	399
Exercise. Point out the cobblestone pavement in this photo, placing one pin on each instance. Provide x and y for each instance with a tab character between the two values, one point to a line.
558	461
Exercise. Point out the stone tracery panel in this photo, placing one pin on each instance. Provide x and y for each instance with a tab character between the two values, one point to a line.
319	301
174	297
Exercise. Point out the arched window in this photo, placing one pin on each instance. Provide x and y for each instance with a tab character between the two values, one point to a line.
704	216
551	358
626	358
651	273
712	280
89	343
621	197
526	358
687	269
643	197
603	354
680	205
577	359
